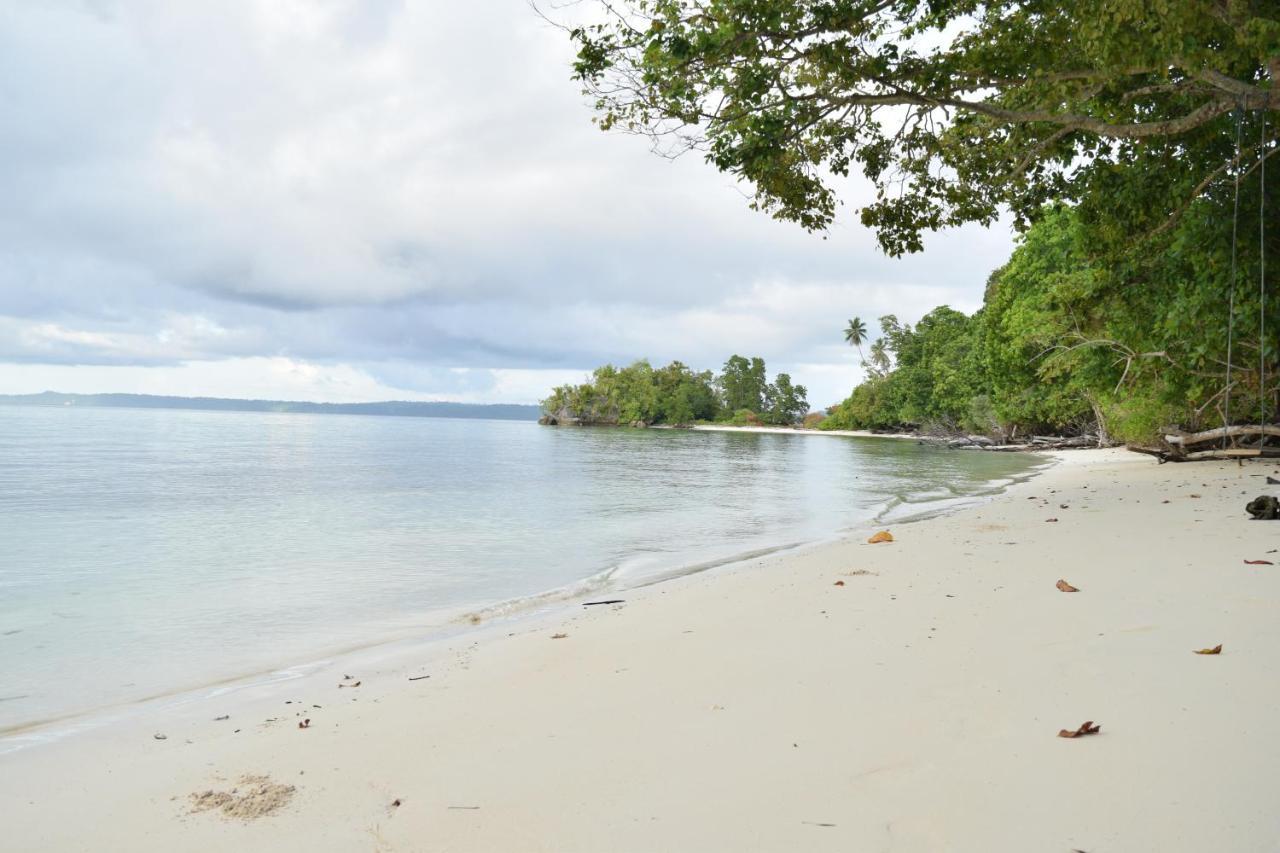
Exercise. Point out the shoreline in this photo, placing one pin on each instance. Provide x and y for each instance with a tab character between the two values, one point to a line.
913	707
782	430
461	622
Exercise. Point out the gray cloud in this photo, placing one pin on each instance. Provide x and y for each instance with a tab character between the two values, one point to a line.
410	190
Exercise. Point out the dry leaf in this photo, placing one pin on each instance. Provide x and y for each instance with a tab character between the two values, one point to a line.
395	802
1051	519
1086	728
882	536
305	724
1066	587
558	636
839	583
1258	563
1216	650
1194	496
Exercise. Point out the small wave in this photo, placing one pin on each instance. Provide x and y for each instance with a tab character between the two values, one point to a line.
579	589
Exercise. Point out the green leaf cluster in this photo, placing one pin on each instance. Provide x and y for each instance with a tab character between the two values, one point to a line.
679	396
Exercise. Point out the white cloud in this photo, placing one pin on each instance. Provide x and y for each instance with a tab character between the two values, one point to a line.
403	188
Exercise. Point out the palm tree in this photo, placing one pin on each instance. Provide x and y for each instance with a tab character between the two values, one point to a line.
854	334
880	357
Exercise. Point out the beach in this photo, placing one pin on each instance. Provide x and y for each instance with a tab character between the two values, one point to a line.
902	696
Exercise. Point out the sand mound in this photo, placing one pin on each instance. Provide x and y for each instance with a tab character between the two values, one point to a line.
254	797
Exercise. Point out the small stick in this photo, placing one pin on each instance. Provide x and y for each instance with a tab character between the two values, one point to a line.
610	601
418	678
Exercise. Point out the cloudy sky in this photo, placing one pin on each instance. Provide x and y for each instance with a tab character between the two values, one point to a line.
353	200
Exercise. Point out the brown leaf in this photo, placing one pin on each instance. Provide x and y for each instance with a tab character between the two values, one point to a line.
1258	563
1051	519
1194	496
1086	728
1066	587
1216	650
882	536
395	802
305	724
558	636
839	583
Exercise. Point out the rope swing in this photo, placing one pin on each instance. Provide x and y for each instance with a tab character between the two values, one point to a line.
1262	275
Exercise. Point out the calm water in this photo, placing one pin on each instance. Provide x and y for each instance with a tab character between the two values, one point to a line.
148	551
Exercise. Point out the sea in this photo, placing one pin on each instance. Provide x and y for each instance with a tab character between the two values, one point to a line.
144	553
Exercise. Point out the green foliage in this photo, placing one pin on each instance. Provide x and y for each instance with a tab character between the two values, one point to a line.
953	110
742	383
745	417
1073	336
785	403
679	396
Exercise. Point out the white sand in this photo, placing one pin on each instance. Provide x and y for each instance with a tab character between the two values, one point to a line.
765	709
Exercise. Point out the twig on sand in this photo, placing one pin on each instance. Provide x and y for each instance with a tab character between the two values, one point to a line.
418	677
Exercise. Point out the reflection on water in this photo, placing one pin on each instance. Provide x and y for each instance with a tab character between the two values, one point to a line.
146	550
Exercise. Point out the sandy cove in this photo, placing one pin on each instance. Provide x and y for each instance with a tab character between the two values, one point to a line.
765	708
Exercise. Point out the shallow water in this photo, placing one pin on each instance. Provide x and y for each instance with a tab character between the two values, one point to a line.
146	551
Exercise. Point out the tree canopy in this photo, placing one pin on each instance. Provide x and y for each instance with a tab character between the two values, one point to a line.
953	109
677	395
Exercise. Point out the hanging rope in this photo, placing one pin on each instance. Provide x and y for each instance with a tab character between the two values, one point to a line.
1262	272
1231	298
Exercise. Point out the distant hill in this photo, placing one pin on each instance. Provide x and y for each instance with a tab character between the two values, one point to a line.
394	408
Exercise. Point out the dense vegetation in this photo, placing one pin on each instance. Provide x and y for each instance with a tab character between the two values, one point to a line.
954	109
1073	337
1133	163
675	394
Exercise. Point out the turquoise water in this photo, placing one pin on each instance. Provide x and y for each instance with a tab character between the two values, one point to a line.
148	551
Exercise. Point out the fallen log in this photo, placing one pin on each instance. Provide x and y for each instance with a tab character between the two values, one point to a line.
1240	431
1176	454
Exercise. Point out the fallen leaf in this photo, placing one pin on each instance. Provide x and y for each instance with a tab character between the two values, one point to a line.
839	583
558	636
396	802
1051	519
305	724
882	536
1086	728
1216	650
1066	587
1258	563
1194	496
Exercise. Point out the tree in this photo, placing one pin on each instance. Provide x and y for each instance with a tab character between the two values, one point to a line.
785	404
879	358
742	384
953	109
854	334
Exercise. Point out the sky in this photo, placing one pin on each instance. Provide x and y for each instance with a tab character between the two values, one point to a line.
358	200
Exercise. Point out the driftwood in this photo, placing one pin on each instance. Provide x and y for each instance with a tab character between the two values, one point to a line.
1233	442
1244	431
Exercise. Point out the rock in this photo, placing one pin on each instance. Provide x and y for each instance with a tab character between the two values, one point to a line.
1264	508
980	440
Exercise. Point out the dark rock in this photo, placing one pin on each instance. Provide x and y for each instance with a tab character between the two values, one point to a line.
1264	508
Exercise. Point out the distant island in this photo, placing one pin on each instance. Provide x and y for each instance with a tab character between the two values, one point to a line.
391	408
